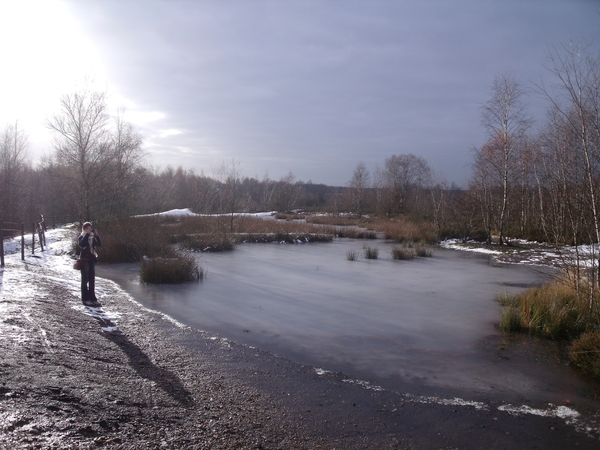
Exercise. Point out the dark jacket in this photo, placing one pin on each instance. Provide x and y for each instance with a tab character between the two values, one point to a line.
84	245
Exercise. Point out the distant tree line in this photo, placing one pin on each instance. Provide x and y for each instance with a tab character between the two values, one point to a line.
538	183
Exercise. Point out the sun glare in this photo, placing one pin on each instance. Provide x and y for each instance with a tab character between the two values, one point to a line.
44	55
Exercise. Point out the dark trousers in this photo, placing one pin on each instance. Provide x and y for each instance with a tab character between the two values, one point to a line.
88	280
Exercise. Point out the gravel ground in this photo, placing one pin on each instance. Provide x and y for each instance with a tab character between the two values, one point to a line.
67	383
125	377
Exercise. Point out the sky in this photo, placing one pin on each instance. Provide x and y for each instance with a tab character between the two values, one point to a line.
307	87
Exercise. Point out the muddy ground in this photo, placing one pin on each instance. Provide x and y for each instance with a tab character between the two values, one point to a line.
125	377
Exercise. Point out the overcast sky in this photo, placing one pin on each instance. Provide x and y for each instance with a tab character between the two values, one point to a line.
311	87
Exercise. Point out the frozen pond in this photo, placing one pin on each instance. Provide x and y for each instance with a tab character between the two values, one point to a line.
425	325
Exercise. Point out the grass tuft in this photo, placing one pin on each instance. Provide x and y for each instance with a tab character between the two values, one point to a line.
423	251
553	311
585	353
510	319
402	253
352	255
371	252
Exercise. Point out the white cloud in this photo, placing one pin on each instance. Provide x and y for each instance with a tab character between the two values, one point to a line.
141	118
170	132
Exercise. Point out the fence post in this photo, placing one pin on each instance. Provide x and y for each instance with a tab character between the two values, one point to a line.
22	242
1	244
41	237
33	239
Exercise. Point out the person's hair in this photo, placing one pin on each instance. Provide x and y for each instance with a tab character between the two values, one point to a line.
85	225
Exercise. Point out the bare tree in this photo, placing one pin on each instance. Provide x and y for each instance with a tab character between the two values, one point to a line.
228	174
90	155
404	175
286	192
13	157
379	187
81	142
358	187
268	187
505	118
439	190
125	156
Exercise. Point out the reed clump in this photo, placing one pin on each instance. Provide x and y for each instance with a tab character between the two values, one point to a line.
352	233
285	238
510	319
555	311
290	216
398	229
423	251
371	252
219	233
176	269
333	220
127	240
552	310
410	251
352	255
585	353
209	242
402	253
405	230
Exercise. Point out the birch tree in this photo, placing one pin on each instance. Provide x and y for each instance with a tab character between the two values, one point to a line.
505	118
575	100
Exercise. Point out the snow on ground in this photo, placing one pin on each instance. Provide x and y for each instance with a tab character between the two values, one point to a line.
531	253
186	212
457	244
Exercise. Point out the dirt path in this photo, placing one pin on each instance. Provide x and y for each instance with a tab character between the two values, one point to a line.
126	377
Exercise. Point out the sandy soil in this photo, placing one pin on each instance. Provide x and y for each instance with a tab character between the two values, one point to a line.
124	377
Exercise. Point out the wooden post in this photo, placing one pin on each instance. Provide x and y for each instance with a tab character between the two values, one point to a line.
33	239
22	242
1	244
41	238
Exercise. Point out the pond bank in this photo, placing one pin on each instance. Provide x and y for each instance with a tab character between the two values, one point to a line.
128	377
153	383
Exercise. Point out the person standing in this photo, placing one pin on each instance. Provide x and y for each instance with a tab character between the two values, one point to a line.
88	240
